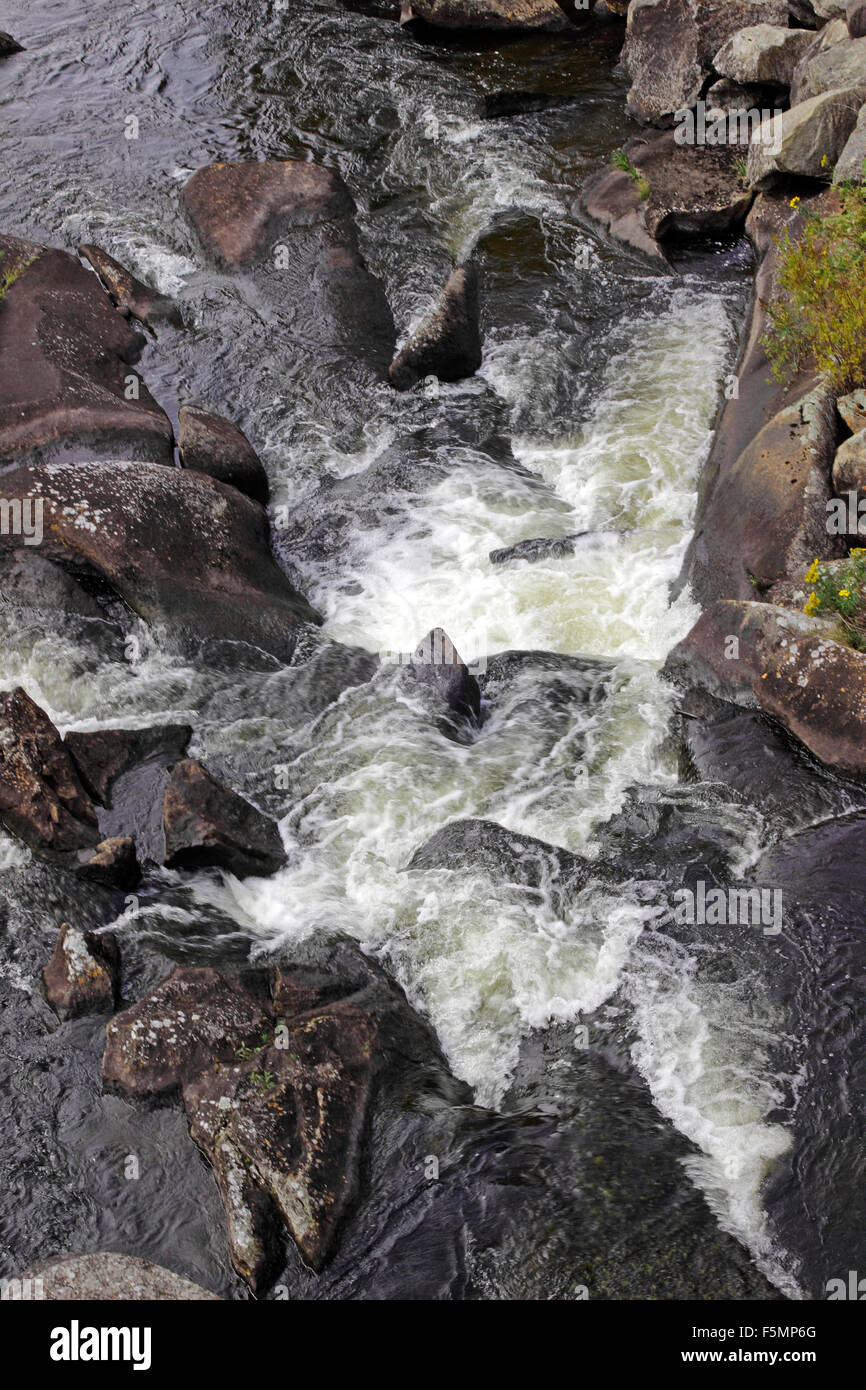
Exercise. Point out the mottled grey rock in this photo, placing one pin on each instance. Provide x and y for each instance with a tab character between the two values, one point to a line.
851	167
809	139
764	53
849	466
211	444
118	1278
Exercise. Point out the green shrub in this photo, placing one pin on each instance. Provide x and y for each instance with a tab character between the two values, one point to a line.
819	308
620	160
12	273
839	593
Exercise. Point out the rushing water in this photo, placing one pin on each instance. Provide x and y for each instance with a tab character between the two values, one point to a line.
592	414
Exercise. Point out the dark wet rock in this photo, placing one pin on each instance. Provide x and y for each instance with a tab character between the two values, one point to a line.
276	1087
765	54
849	466
856	18
676	834
727	96
213	445
40	598
670	46
103	755
554	547
207	824
83	974
614	199
589	676
496	105
183	550
788	665
852	408
66	358
8	45
528	15
131	296
42	800
809	139
437	669
113	862
105	1277
447	343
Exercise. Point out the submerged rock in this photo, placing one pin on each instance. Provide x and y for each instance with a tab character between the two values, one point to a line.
207	824
131	296
496	105
114	862
491	14
211	444
42	800
9	45
107	1277
447	343
83	974
66	384
183	550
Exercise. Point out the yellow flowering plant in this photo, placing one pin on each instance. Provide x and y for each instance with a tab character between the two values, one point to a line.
839	593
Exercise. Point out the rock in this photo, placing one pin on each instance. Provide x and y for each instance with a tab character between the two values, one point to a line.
65	366
856	18
531	15
131	296
113	862
784	664
554	548
42	800
290	224
276	1091
483	846
103	755
809	139
210	444
851	166
8	45
39	597
447	343
692	188
727	96
438	670
849	466
670	46
764	53
83	974
613	199
767	516
108	1277
853	410
183	550
832	62
207	824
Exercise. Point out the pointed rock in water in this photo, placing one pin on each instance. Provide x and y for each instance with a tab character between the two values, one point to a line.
276	1088
211	444
447	344
65	365
8	45
109	1277
182	550
209	825
131	296
113	862
42	800
437	667
530	15
83	974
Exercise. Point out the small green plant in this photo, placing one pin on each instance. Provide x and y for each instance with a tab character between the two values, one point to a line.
742	169
839	593
818	312
620	160
263	1079
12	273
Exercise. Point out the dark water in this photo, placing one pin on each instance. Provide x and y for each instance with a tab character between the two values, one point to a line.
689	1144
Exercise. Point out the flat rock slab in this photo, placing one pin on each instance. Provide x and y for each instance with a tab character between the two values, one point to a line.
83	974
115	1278
185	552
42	799
276	1080
785	664
66	358
209	825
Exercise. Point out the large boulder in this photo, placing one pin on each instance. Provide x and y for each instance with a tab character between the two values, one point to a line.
66	355
856	18
693	189
670	46
184	551
849	466
613	199
832	61
851	164
447	343
101	756
107	1277
211	444
784	663
207	824
83	974
131	296
808	140
42	800
290	224
852	409
764	53
531	15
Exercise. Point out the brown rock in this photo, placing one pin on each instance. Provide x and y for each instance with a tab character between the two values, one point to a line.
103	755
530	15
210	444
113	863
65	366
109	1277
42	800
849	466
692	188
207	824
83	974
132	296
447	343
